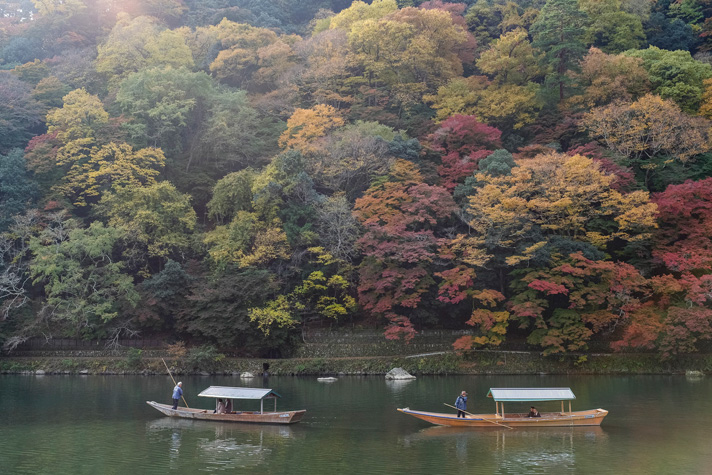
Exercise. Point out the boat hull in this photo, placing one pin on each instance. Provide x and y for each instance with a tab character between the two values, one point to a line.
592	417
285	417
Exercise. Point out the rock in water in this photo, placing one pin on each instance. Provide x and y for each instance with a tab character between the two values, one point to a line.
694	374
399	373
247	375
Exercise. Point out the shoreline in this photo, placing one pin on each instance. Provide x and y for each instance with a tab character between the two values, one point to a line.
481	363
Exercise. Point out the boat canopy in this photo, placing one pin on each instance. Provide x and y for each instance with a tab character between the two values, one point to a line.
239	393
531	394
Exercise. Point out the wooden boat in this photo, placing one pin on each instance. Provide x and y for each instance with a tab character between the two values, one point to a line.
592	417
230	394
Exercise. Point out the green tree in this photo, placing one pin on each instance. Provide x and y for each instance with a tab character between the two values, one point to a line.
511	59
558	31
675	75
85	287
158	217
17	190
81	117
139	43
231	194
612	29
162	103
19	114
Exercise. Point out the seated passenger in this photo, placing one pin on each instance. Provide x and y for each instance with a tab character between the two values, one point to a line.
221	407
533	412
228	406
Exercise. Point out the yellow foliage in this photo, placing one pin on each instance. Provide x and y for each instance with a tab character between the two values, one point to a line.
277	313
706	106
491	103
560	195
305	126
649	127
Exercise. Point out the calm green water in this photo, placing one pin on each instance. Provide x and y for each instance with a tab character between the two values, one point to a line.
102	425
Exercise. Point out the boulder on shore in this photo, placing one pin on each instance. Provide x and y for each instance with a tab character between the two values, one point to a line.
247	375
694	374
399	373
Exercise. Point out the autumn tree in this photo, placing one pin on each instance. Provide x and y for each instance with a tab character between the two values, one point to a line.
648	128
706	106
307	125
348	158
515	215
606	78
252	58
92	171
507	106
678	314
410	51
400	244
322	294
462	141
325	73
566	303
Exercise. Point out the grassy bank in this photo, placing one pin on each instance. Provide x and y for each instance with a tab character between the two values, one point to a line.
448	363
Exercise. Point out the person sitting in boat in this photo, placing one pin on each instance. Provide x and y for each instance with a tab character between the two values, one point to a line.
221	407
177	394
461	404
533	412
228	406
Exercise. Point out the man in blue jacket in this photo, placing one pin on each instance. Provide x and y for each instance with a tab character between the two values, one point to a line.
461	404
177	394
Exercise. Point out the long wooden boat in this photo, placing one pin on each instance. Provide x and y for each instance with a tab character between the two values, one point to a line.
231	394
592	417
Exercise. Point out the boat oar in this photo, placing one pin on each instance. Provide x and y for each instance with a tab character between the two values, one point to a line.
483	419
174	382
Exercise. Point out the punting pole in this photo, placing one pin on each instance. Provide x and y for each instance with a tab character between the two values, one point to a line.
174	382
493	422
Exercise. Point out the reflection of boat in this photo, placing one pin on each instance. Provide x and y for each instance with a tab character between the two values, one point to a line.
221	429
525	434
592	417
329	379
231	393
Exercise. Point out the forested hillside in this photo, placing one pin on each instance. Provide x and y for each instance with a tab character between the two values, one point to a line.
225	171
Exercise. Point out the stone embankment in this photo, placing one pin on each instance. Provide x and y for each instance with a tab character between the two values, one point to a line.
353	353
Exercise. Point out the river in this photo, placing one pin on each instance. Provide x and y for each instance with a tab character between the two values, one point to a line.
101	425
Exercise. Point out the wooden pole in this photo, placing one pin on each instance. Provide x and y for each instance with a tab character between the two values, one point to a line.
488	420
174	382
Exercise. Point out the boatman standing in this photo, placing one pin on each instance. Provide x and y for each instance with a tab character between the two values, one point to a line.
461	404
177	394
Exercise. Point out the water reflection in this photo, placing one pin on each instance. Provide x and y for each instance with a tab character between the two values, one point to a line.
398	385
221	429
513	451
220	446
